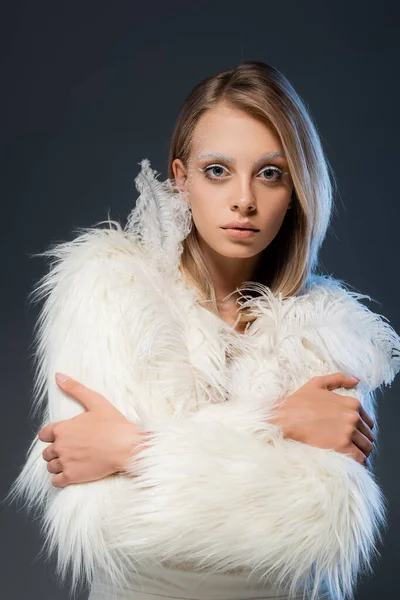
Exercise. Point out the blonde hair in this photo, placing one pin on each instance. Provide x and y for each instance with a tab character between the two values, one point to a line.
265	94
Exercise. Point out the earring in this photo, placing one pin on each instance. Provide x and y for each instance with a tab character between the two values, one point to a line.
183	195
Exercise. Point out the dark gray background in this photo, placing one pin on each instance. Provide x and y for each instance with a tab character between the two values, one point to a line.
90	89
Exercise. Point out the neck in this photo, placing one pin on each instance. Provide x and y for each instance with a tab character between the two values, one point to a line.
227	274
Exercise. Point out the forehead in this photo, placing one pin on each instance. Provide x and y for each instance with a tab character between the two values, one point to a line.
229	130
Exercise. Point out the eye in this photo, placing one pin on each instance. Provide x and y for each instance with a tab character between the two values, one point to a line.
275	174
274	171
211	168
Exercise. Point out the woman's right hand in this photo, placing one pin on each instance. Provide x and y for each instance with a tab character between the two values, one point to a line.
317	416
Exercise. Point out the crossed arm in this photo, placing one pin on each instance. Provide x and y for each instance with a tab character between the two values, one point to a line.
102	441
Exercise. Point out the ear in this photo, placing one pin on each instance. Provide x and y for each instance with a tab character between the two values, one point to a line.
180	174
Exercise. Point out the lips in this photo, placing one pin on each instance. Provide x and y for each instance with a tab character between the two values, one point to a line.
241	228
239	232
233	226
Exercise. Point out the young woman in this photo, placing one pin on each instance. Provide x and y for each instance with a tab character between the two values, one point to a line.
200	442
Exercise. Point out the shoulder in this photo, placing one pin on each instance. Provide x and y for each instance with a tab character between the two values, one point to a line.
357	335
96	257
321	287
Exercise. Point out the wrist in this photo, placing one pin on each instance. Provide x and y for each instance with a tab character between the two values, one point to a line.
130	439
279	418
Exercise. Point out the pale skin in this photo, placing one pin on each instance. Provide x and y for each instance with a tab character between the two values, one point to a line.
100	441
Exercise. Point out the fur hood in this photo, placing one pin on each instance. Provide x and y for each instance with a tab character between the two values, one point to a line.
219	488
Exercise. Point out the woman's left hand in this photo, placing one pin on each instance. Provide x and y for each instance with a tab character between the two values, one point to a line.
92	445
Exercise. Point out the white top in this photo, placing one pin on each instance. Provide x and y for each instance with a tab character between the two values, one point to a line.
162	583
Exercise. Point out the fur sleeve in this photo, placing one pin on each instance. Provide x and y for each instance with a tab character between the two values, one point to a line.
218	489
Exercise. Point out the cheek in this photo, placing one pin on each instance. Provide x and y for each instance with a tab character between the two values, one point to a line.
208	212
273	205
275	216
272	215
207	202
205	214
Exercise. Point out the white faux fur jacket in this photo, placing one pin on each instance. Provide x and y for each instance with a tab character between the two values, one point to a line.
219	488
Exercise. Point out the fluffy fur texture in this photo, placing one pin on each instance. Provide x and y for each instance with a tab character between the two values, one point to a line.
219	488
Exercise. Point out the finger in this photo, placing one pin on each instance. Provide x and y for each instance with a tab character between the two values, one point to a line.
365	416
358	455
46	434
365	430
54	466
90	399
335	380
49	453
362	442
59	481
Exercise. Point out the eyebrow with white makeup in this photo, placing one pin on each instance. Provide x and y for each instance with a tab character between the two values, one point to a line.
268	156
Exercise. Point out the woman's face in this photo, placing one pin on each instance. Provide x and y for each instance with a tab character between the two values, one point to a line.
229	179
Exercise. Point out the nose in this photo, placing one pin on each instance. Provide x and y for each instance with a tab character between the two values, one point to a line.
246	200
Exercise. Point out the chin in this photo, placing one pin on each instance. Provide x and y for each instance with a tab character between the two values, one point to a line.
230	249
237	252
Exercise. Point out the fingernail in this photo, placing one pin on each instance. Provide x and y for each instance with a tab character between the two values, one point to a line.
61	377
